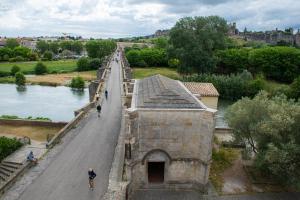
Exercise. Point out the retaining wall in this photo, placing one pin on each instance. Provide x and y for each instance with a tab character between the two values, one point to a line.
23	122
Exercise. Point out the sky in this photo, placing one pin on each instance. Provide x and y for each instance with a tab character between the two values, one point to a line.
127	18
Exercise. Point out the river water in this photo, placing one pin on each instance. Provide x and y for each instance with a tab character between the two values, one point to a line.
56	103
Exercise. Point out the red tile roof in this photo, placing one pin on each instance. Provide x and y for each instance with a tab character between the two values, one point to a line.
203	89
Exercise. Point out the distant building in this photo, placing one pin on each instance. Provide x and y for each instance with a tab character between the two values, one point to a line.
2	42
29	43
169	137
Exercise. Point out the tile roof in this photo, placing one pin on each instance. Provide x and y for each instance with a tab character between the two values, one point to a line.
203	89
161	92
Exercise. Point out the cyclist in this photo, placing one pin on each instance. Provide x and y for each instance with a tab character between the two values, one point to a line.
92	175
98	109
106	94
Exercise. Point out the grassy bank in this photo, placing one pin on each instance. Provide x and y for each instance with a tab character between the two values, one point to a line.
139	73
53	79
60	66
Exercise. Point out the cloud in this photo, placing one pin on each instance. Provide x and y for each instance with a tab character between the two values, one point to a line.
122	18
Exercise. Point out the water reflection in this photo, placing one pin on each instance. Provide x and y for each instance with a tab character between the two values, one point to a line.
56	103
21	89
222	106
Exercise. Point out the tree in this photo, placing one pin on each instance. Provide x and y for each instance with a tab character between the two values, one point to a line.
194	40
20	79
134	58
83	64
77	47
42	46
100	48
77	83
40	68
5	53
95	63
66	45
271	127
48	55
277	63
21	51
295	89
54	47
161	43
12	43
14	70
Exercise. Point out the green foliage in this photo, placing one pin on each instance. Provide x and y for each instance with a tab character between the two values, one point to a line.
21	51
54	47
147	57
8	146
270	126
174	63
194	40
20	79
40	68
83	64
5	53
295	89
42	46
77	47
48	55
232	60
11	43
100	48
27	118
94	63
161	42
77	83
14	70
16	59
230	87
33	56
277	63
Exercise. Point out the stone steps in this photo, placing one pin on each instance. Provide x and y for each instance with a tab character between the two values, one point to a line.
8	170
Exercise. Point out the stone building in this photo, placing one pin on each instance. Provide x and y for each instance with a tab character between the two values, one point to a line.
205	92
169	136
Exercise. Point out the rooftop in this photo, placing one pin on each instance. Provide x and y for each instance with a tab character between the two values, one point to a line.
161	92
203	89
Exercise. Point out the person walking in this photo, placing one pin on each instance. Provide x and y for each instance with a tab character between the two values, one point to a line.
97	96
106	94
98	109
92	176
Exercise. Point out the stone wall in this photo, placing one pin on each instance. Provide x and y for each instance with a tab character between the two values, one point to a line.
182	138
23	122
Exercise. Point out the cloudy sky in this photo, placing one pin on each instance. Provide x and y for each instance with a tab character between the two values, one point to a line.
123	18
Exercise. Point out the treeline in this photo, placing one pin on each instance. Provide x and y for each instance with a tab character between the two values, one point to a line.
17	54
60	46
276	63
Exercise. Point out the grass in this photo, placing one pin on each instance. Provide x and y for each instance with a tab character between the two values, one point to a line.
222	160
139	73
28	118
53	79
60	66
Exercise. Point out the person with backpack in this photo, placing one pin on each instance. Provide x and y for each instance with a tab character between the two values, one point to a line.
92	176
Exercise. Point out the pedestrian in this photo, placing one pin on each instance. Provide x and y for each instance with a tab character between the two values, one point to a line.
98	109
97	96
106	94
92	175
31	158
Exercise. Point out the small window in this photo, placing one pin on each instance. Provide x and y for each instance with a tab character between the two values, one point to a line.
156	172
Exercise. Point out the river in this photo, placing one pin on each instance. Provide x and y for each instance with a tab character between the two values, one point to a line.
56	103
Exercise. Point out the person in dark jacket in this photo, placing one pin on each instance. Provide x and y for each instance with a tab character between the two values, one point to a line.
92	175
98	109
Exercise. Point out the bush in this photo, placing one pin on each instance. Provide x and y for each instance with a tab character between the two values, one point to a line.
14	70
173	63
20	79
230	87
5	57
134	58
77	83
48	55
4	74
17	59
277	63
295	89
40	68
8	146
83	64
94	63
33	56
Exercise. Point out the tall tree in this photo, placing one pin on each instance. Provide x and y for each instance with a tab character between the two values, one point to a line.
12	43
42	46
194	40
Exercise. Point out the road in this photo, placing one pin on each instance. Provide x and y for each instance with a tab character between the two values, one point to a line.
66	177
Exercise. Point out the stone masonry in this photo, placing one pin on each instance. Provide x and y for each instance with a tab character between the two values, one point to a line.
169	137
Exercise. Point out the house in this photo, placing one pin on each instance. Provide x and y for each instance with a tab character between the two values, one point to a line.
205	92
169	136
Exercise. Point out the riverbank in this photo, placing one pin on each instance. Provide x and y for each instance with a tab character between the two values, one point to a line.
53	79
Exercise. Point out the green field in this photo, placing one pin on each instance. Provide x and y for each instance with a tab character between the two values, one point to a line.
59	66
139	73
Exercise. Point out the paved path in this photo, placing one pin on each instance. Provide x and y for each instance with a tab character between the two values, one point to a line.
66	176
